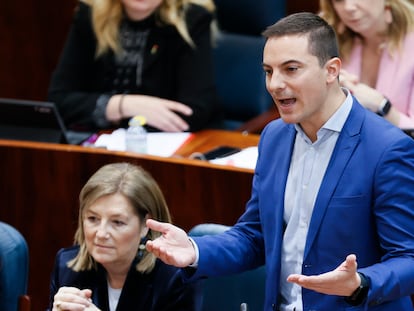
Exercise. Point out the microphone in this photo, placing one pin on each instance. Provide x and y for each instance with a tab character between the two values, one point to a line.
243	307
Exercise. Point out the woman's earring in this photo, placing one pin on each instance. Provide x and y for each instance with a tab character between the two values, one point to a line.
141	248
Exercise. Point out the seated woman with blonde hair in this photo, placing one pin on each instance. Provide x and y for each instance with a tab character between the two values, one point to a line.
376	39
109	268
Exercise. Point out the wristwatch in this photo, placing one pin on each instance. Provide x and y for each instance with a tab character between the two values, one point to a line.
359	295
384	108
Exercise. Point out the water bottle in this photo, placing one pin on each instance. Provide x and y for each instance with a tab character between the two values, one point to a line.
136	135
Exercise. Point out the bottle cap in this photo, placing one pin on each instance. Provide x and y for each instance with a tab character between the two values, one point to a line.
137	120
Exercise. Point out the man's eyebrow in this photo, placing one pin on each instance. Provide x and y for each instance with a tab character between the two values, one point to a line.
287	62
291	61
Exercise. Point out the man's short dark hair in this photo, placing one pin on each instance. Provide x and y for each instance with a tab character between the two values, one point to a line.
321	36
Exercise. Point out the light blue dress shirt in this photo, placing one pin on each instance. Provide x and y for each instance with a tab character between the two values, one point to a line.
307	168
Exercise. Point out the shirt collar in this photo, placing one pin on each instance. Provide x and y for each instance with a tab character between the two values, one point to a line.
337	120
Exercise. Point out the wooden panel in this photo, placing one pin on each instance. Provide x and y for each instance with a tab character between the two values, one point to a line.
293	6
32	36
24	303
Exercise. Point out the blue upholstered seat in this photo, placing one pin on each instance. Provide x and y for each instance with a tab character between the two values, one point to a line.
227	293
238	57
240	79
14	266
249	17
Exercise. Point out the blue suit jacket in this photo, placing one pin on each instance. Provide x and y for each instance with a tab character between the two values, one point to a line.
365	206
161	290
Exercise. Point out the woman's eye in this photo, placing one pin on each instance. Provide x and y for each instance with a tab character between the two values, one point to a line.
91	218
119	222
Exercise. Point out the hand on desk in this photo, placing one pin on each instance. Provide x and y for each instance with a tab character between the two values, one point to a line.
341	282
160	113
73	299
173	246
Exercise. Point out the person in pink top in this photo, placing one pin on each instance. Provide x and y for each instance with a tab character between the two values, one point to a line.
376	39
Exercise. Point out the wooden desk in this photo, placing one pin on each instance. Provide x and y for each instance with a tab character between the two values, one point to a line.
209	139
40	184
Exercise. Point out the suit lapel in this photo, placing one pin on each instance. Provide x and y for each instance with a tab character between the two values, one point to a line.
348	140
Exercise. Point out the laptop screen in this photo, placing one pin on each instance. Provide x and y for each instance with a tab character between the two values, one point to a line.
31	120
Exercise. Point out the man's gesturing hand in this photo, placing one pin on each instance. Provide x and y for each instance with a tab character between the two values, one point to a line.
342	281
173	246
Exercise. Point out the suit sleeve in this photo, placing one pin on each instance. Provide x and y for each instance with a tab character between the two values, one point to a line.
393	276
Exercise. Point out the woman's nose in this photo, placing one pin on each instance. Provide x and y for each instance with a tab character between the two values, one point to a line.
349	5
102	231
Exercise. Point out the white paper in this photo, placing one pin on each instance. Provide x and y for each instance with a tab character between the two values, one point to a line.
245	158
113	141
165	144
159	144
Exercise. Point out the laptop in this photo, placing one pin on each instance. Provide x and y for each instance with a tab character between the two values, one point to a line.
35	121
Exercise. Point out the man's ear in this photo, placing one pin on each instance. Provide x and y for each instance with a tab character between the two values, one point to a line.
333	68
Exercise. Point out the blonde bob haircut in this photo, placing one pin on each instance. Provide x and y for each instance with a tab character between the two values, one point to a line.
402	23
142	192
107	16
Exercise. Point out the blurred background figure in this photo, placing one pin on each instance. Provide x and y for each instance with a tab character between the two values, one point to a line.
376	39
126	58
109	268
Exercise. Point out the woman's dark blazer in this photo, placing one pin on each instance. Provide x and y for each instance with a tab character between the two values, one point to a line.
160	290
172	70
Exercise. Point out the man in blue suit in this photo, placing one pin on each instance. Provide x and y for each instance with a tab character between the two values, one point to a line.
332	206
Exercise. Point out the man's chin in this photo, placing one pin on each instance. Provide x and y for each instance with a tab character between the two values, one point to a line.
289	118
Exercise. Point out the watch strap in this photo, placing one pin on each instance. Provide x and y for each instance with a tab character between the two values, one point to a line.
359	295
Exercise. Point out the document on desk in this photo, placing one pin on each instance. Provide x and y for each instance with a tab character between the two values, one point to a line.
245	158
159	144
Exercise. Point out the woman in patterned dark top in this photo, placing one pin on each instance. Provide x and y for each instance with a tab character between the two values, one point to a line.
125	57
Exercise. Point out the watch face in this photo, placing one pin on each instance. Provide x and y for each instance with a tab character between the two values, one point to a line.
384	108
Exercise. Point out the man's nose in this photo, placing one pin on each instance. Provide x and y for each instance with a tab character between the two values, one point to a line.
275	83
